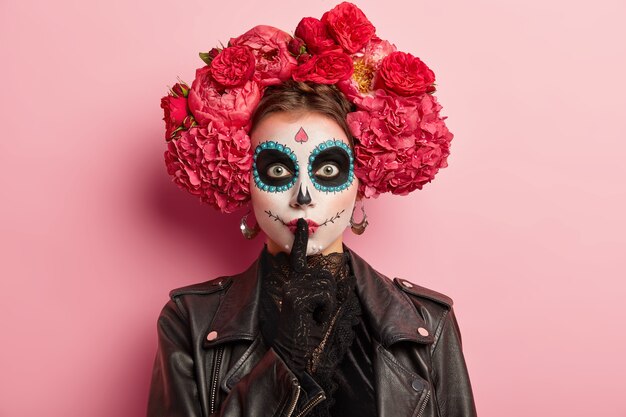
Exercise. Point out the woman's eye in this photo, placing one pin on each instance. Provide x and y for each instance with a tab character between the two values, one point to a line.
278	171
327	171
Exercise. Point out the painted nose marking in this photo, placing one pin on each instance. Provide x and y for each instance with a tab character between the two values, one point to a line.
303	198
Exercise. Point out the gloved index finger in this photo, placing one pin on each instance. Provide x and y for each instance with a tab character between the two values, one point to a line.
298	250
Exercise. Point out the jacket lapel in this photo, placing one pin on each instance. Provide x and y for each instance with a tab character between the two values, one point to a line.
237	314
392	316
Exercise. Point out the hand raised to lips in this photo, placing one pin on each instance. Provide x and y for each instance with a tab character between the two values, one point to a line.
292	225
308	301
319	283
298	251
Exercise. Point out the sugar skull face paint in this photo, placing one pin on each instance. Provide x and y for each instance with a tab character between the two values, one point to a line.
303	167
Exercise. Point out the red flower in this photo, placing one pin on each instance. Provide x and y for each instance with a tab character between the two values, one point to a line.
213	163
327	68
349	26
175	110
208	101
180	89
315	35
274	62
405	75
401	143
233	66
297	47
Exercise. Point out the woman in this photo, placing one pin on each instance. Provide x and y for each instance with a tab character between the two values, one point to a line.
309	328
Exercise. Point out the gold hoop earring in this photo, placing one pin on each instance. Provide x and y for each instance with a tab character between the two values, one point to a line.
359	228
247	232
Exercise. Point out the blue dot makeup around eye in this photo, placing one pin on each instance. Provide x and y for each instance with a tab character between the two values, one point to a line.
286	156
346	178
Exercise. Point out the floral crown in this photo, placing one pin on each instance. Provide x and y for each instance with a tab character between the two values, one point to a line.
401	141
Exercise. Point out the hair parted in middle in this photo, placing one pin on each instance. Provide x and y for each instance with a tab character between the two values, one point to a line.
302	97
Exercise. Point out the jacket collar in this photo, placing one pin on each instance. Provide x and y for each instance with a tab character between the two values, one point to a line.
391	316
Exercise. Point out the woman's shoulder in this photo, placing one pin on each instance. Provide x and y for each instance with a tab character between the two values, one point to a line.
214	285
422	292
363	268
203	288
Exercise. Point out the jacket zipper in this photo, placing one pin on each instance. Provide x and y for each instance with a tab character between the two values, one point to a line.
217	362
315	401
294	400
423	407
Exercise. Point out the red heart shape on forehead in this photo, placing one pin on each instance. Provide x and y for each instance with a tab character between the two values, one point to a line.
301	136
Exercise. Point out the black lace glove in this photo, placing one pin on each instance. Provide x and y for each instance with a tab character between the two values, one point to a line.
309	299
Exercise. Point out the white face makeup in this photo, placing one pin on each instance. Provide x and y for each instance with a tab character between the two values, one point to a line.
303	167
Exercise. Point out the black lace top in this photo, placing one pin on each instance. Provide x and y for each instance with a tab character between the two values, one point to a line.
341	364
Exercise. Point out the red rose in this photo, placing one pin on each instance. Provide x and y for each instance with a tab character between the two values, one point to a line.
302	59
327	68
270	46
233	66
297	47
175	112
315	35
180	90
405	75
213	53
230	107
349	26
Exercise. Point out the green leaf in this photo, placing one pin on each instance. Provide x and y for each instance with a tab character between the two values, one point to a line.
206	57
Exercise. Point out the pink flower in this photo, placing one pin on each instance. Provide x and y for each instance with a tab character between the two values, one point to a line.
349	26
376	50
405	75
208	101
212	162
270	46
362	82
390	114
401	142
327	68
233	66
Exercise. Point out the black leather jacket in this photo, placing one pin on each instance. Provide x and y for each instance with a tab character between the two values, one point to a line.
211	360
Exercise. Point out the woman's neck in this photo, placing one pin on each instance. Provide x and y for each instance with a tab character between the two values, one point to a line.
336	246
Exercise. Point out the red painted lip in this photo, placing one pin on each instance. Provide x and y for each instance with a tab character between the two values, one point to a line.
312	226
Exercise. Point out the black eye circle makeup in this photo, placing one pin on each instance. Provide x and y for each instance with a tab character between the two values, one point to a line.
331	166
274	167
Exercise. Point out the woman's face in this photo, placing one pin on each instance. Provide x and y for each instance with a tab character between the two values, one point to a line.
303	167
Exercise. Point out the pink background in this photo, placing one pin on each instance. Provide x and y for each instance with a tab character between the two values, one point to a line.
525	229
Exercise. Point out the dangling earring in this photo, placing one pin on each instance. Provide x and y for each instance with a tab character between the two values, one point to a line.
359	228
247	232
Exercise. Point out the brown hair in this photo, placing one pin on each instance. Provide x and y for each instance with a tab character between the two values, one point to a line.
294	96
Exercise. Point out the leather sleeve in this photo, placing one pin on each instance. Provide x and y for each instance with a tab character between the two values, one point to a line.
269	389
173	389
452	385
